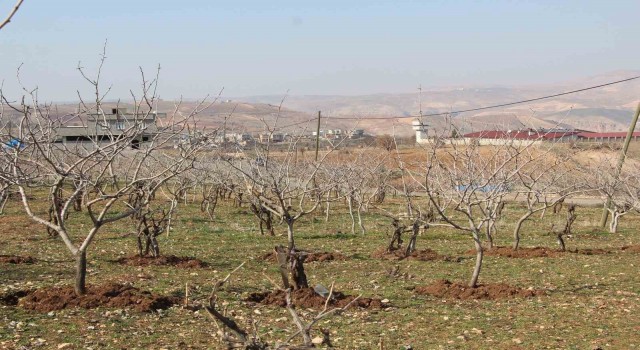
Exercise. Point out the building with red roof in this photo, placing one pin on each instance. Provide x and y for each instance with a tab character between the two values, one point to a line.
606	136
523	136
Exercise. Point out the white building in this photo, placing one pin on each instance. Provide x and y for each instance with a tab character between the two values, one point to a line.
421	130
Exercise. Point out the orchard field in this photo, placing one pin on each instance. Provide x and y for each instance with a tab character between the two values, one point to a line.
590	299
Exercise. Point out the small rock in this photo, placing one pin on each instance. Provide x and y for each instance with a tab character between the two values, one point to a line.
317	340
477	331
517	340
65	346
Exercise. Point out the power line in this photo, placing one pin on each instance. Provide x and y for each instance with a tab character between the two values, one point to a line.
471	109
298	123
492	106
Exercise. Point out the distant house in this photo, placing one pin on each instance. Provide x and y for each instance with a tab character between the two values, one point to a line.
277	137
240	138
105	127
356	134
269	137
333	134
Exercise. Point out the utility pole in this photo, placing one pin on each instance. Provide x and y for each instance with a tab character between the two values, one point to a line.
420	101
623	156
318	136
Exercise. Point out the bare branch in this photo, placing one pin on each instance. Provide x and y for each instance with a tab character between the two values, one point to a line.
11	14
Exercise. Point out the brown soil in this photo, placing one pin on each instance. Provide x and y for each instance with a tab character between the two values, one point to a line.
312	257
110	295
15	259
522	252
446	289
631	248
535	252
11	298
421	255
184	262
589	251
308	298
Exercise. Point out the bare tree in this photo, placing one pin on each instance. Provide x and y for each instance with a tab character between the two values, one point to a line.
151	224
620	191
386	142
288	187
361	178
176	190
277	187
463	179
131	156
411	219
545	183
233	336
566	229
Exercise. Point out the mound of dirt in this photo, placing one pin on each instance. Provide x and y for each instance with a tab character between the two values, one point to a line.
184	262
631	248
446	289
110	295
421	255
16	259
308	298
311	257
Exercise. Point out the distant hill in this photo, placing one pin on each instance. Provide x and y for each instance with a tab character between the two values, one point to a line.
609	108
605	109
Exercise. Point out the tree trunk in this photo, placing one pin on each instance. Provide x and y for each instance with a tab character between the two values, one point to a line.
613	225
155	247
360	219
326	214
298	276
81	272
353	220
489	235
561	242
396	238
140	249
411	247
291	265
77	202
290	241
282	258
269	223
174	205
516	231
479	254
3	202
261	229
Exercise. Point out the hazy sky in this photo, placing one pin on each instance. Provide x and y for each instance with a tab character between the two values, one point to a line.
313	47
